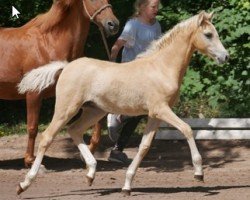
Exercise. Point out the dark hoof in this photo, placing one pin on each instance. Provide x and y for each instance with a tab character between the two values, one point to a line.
126	192
28	165
19	190
199	178
28	161
89	181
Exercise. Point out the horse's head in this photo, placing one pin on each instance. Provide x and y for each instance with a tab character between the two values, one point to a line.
206	39
100	12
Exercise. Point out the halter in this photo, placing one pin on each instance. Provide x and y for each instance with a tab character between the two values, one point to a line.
96	12
100	28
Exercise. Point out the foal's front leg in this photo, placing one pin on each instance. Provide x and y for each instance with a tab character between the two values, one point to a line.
167	115
147	138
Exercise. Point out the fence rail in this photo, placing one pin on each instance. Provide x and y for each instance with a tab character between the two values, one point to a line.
214	128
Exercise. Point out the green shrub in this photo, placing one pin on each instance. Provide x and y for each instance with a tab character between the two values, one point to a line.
225	89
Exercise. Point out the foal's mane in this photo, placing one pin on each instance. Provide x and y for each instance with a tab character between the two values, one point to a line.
170	35
50	19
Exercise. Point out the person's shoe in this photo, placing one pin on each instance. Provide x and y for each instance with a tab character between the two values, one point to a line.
114	126
118	156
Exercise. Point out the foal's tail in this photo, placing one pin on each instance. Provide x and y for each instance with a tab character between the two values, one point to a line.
41	78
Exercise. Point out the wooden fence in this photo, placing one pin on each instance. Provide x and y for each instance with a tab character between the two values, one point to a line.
214	128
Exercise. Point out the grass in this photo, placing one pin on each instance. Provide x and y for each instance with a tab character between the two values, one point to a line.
18	129
21	129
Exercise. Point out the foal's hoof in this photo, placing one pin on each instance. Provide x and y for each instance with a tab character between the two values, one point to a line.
126	192
89	180
19	189
199	178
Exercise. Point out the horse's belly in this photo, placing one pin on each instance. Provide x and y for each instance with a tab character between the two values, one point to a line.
8	91
123	107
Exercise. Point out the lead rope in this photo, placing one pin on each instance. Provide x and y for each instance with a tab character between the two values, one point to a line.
100	28
104	39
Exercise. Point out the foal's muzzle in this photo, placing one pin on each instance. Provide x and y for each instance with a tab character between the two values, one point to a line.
222	57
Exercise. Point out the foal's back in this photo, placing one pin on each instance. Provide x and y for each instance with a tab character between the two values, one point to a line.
119	88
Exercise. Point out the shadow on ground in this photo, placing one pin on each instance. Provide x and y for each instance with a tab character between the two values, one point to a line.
163	156
207	191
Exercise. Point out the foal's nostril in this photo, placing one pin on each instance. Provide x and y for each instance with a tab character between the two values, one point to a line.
226	57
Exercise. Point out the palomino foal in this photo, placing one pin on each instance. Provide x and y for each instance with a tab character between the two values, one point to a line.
148	85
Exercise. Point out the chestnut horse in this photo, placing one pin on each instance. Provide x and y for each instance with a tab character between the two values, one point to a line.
148	85
59	34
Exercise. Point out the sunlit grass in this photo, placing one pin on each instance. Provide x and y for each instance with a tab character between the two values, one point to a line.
21	129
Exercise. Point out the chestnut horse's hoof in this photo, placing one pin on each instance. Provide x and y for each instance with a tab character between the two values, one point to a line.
28	161
89	181
28	165
19	189
199	178
126	192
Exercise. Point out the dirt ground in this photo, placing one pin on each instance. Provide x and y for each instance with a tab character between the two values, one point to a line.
165	173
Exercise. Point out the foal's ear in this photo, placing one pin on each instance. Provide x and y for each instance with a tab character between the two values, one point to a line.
210	16
201	17
204	16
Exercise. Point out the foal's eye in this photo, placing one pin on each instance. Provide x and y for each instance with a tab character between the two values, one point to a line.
208	35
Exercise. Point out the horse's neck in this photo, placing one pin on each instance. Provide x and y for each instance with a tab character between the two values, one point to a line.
177	56
73	23
70	16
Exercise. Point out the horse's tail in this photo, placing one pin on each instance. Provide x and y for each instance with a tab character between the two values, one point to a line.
41	78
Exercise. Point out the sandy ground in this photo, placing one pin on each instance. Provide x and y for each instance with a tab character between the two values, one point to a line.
165	173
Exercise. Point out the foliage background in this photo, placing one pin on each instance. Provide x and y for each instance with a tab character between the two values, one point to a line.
208	90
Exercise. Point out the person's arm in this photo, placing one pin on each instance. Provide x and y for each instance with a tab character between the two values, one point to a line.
116	48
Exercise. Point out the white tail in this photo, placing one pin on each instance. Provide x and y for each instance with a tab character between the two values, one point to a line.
40	78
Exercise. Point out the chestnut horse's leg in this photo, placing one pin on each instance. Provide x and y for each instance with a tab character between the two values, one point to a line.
33	102
95	138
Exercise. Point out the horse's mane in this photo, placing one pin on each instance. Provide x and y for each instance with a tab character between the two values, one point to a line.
170	35
50	19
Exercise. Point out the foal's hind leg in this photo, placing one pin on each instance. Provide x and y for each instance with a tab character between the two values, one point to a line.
166	114
64	111
90	116
47	137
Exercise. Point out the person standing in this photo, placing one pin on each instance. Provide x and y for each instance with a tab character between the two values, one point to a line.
139	31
